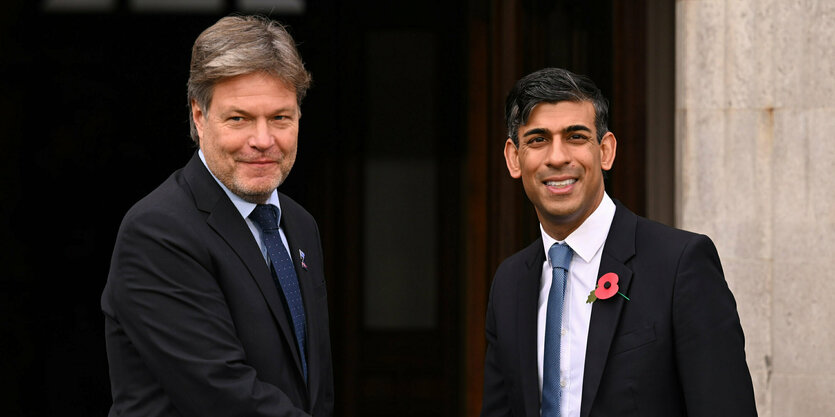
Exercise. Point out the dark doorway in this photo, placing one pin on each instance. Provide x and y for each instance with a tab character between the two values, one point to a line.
393	173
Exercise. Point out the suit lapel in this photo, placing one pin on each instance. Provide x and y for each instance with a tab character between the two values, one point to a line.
226	220
526	319
298	242
605	314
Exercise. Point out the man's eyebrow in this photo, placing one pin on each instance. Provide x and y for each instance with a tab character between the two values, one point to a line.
234	110
574	128
536	131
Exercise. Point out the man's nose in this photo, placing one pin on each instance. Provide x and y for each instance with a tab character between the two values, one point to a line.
558	153
262	137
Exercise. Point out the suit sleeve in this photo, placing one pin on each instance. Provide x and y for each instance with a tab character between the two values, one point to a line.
495	401
173	312
710	346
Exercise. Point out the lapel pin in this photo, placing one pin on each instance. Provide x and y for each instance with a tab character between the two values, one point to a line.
607	286
301	256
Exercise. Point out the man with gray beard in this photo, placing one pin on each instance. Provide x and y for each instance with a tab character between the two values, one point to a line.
215	304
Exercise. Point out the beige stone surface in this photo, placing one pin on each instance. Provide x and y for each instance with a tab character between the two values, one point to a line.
804	202
803	395
755	114
749	53
745	209
822	162
750	282
822	51
701	167
727	192
802	316
762	394
700	53
805	73
792	168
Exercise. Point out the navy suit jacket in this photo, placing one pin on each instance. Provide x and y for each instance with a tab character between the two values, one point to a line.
676	348
195	324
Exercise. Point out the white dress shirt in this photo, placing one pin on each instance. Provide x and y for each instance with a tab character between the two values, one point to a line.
587	243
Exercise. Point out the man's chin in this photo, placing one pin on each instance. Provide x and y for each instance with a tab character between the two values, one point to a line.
563	213
255	193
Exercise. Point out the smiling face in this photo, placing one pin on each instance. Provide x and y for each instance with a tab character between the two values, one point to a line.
249	134
559	161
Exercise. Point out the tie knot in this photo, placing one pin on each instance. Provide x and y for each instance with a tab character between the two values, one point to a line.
560	255
265	217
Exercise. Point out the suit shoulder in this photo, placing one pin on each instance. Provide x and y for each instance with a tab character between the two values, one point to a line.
170	200
653	226
662	239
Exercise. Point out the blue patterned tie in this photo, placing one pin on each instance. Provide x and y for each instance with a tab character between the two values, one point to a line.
560	255
266	217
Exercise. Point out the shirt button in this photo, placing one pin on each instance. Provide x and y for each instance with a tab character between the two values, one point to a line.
563	332
563	383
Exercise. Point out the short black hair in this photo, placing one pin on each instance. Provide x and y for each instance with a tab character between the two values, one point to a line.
553	85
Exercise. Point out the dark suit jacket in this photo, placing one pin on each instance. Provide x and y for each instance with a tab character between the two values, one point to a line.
674	349
194	322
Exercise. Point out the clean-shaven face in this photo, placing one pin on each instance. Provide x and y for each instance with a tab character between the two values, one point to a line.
560	163
249	133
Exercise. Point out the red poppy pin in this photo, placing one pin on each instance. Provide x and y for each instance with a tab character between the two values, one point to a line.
607	286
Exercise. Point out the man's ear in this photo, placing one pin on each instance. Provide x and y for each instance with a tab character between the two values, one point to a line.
511	157
608	148
198	117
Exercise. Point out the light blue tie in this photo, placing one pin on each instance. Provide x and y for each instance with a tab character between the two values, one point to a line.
560	255
266	218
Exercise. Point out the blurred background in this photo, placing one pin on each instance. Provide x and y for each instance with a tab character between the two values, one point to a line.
722	111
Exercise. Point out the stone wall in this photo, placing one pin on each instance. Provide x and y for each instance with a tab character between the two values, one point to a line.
755	154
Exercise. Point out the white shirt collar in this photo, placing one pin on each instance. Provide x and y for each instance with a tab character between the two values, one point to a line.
589	238
243	206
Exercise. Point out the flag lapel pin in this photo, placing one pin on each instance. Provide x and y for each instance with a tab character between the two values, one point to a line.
301	257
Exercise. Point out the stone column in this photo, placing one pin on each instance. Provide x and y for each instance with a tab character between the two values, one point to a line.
755	155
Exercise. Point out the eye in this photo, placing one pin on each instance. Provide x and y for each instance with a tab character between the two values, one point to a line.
279	117
535	140
578	137
235	119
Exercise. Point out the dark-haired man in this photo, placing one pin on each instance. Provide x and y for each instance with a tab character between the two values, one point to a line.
608	313
215	304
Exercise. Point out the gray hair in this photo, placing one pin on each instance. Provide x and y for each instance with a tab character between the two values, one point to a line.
553	85
238	45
